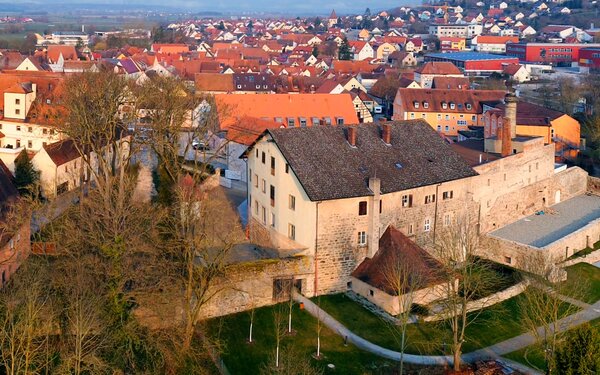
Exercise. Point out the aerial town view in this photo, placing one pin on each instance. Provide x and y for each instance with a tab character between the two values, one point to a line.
300	188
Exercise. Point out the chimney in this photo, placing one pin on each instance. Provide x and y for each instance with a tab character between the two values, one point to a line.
505	138
510	112
352	136
386	133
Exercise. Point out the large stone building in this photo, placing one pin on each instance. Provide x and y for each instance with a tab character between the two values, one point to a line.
332	201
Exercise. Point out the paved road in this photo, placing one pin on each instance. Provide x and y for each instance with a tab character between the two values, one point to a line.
491	352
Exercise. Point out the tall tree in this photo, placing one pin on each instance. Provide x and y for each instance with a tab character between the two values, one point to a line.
26	177
466	278
542	305
344	52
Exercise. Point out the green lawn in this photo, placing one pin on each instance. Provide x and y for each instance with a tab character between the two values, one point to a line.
243	358
533	356
584	280
493	324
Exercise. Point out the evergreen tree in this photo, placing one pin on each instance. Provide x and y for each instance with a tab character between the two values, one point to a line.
26	176
315	51
578	355
221	26
250	27
344	52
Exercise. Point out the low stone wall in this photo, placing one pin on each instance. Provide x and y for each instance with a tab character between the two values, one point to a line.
245	286
493	299
591	258
576	241
503	251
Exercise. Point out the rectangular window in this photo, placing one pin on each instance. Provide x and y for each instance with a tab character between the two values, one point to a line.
255	208
291	122
30	129
272	166
303	122
292	202
380	206
272	195
273	220
427	225
263	158
264	186
447	220
362	238
410	229
18	112
29	144
407	200
448	194
507	260
18	128
18	143
362	208
255	180
430	198
17	101
291	231
264	215
340	120
287	168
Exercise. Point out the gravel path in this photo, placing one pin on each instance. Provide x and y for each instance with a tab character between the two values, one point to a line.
491	352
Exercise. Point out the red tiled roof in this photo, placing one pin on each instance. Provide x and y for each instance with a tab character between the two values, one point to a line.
399	253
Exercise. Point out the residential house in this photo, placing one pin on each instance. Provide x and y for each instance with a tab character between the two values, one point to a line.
447	111
491	43
425	74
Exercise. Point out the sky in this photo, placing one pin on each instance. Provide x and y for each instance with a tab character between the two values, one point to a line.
235	6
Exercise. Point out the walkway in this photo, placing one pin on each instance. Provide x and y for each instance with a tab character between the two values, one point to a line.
491	352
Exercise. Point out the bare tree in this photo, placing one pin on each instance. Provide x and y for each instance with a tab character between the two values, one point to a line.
546	301
26	318
403	278
279	329
291	362
319	327
84	327
466	279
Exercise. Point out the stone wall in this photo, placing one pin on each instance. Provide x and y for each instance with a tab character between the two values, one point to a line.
576	241
514	205
250	285
339	222
246	286
491	300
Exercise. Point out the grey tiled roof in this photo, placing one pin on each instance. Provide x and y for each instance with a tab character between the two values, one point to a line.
329	168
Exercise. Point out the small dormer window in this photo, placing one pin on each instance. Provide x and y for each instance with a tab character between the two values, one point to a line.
48	101
469	106
239	87
444	105
416	104
425	105
452	106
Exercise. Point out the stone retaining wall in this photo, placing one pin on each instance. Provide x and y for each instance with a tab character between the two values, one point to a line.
493	299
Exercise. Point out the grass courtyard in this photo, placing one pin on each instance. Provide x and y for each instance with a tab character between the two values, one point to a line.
243	358
584	280
494	324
